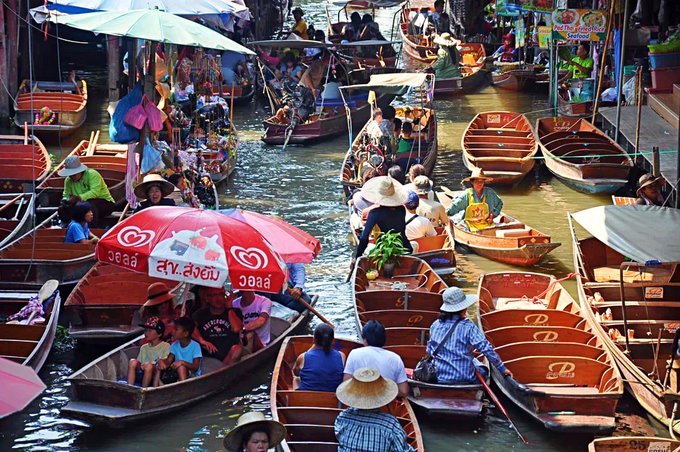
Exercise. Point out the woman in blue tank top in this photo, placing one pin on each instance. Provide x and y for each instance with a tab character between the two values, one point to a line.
321	367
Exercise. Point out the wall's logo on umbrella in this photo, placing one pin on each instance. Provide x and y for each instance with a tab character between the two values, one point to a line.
132	236
252	258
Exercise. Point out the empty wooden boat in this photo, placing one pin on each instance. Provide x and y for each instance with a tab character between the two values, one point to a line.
511	77
563	374
67	102
407	304
309	416
24	163
581	156
509	241
473	72
501	143
630	443
629	292
98	314
97	397
16	215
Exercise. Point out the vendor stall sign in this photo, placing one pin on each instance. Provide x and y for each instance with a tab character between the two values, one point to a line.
542	6
520	33
579	25
507	8
544	36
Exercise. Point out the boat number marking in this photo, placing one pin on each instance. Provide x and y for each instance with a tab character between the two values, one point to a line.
400	302
536	319
560	369
545	336
414	319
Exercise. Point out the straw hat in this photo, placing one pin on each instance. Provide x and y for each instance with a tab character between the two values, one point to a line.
72	166
422	185
48	289
153	179
647	180
446	40
384	191
477	173
455	300
157	293
253	420
367	390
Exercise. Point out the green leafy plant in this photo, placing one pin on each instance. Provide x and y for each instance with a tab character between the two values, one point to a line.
388	248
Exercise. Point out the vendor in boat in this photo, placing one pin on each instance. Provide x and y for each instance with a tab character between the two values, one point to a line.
79	230
218	326
321	367
476	208
154	191
455	363
300	27
581	65
648	191
507	53
295	290
417	227
254	433
84	184
160	303
448	57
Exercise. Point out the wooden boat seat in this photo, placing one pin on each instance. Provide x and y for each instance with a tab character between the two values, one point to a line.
554	370
409	354
400	317
495	132
585	154
502	303
305	433
376	301
513	232
520	349
507	335
649	274
301	415
530	317
18	332
311	446
436	242
16	348
321	399
571	135
407	335
564	390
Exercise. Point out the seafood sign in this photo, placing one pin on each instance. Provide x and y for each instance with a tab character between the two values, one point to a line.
579	25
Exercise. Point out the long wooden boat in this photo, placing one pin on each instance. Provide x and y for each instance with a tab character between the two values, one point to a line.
514	79
27	344
424	151
407	304
581	156
473	74
16	215
67	100
563	375
98	314
309	416
641	313
502	143
576	109
221	163
419	49
24	163
352	52
41	255
509	240
630	443
96	397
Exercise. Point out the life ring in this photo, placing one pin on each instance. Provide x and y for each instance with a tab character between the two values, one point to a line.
45	116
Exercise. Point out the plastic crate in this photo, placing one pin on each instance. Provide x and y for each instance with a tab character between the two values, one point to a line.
664	78
659	60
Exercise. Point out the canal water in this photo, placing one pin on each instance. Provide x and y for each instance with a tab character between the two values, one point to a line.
301	185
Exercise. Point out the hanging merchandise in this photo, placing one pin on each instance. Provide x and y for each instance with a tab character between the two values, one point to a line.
151	159
136	116
131	175
119	131
153	115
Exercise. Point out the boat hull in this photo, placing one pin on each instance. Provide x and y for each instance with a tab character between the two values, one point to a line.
460	85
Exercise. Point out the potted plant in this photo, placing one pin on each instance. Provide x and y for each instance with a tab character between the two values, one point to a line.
385	254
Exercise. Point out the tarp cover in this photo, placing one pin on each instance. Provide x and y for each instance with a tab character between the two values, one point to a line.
642	233
392	83
373	3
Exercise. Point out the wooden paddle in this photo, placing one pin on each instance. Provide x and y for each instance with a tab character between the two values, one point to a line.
315	312
498	404
11	202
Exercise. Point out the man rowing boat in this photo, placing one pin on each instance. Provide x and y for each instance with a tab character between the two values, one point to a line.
476	208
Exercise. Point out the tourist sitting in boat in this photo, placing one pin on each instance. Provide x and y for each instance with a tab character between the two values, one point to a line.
320	368
408	149
405	142
295	291
413	172
218	326
184	357
316	52
455	362
417	226
290	69
234	68
149	354
580	66
388	213
507	53
439	19
430	209
254	433
352	30
256	310
372	354
79	229
448	57
419	24
396	173
154	191
160	303
188	199
84	184
396	125
380	129
648	191
363	426
300	27
476	208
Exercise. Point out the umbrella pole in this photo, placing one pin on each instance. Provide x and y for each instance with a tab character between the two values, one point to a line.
315	312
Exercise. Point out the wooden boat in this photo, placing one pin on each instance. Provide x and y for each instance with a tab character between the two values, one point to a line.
66	100
501	143
96	397
509	240
110	160
40	255
98	314
563	375
243	94
351	50
512	78
407	304
419	49
16	214
474	75
309	416
221	164
641	310
581	156
27	344
24	161
576	109
630	443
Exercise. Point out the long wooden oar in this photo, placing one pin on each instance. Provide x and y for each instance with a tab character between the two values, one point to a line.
315	312
498	404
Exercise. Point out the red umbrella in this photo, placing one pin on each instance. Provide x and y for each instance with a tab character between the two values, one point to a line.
196	246
20	385
292	243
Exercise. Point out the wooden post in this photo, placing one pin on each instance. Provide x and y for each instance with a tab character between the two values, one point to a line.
639	95
113	62
656	161
603	60
13	49
4	98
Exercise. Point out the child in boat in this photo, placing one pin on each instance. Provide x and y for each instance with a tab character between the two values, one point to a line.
153	351
184	357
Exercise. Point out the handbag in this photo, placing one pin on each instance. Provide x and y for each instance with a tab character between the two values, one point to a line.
153	116
136	116
425	370
119	130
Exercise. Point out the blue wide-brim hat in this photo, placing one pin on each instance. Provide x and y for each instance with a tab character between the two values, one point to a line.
455	300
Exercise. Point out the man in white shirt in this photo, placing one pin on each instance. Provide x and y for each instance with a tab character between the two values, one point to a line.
256	310
417	227
432	210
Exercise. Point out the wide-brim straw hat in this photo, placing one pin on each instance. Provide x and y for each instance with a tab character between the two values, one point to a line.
646	180
48	289
455	300
384	191
157	293
253	420
72	165
478	173
150	179
446	40
367	390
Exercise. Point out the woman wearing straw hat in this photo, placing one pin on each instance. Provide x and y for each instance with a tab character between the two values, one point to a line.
448	57
476	208
160	303
84	184
153	190
363	426
254	433
453	360
648	191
